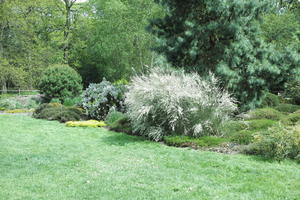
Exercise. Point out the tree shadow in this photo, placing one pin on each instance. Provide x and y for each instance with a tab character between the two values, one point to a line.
121	139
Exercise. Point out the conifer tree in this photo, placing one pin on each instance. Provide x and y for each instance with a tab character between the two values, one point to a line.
223	37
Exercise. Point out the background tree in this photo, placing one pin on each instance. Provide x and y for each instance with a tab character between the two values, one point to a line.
222	37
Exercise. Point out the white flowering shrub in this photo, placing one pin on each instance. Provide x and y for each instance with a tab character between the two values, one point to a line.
98	99
166	102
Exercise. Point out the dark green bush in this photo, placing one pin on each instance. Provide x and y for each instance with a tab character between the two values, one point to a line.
270	100
293	91
58	112
287	108
276	143
61	82
243	137
186	141
266	113
122	125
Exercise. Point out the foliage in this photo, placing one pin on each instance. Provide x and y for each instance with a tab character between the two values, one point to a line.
122	125
98	99
19	111
90	123
291	119
287	108
277	143
112	42
266	113
12	103
260	124
234	126
72	101
61	82
223	37
270	100
242	137
113	116
186	141
167	101
293	91
56	111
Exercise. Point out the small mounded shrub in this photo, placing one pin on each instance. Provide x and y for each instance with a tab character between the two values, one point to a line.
165	102
122	125
186	141
292	91
61	82
19	111
287	108
58	112
277	143
72	101
113	116
291	119
242	137
260	124
266	113
89	123
99	99
270	100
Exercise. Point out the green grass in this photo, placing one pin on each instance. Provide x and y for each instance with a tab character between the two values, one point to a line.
46	160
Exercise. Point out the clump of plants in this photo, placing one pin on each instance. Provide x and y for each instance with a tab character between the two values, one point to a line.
61	82
58	112
287	108
293	91
266	113
166	101
89	123
99	99
277	143
270	100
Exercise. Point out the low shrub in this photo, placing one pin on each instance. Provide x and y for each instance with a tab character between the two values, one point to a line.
242	137
260	124
113	116
278	143
99	99
19	111
61	82
165	102
56	111
20	102
186	141
122	125
266	113
90	123
291	119
270	100
287	108
292	91
234	126
72	101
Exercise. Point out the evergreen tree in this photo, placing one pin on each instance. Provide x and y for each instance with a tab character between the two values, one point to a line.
223	37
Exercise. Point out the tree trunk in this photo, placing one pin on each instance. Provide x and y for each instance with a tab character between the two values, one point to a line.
4	87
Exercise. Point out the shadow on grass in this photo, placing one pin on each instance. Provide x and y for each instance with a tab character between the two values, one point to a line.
121	139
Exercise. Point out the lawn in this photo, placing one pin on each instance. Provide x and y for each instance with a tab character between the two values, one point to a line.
46	160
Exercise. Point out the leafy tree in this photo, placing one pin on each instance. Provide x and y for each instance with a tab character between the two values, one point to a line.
110	38
222	37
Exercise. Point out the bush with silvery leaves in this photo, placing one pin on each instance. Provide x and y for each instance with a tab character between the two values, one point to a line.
98	99
166	102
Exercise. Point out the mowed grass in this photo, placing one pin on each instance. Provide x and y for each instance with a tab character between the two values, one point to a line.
46	160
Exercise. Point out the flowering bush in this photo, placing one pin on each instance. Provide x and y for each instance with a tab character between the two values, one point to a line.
98	99
167	101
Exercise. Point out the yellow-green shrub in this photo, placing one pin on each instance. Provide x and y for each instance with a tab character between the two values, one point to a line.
90	123
19	111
